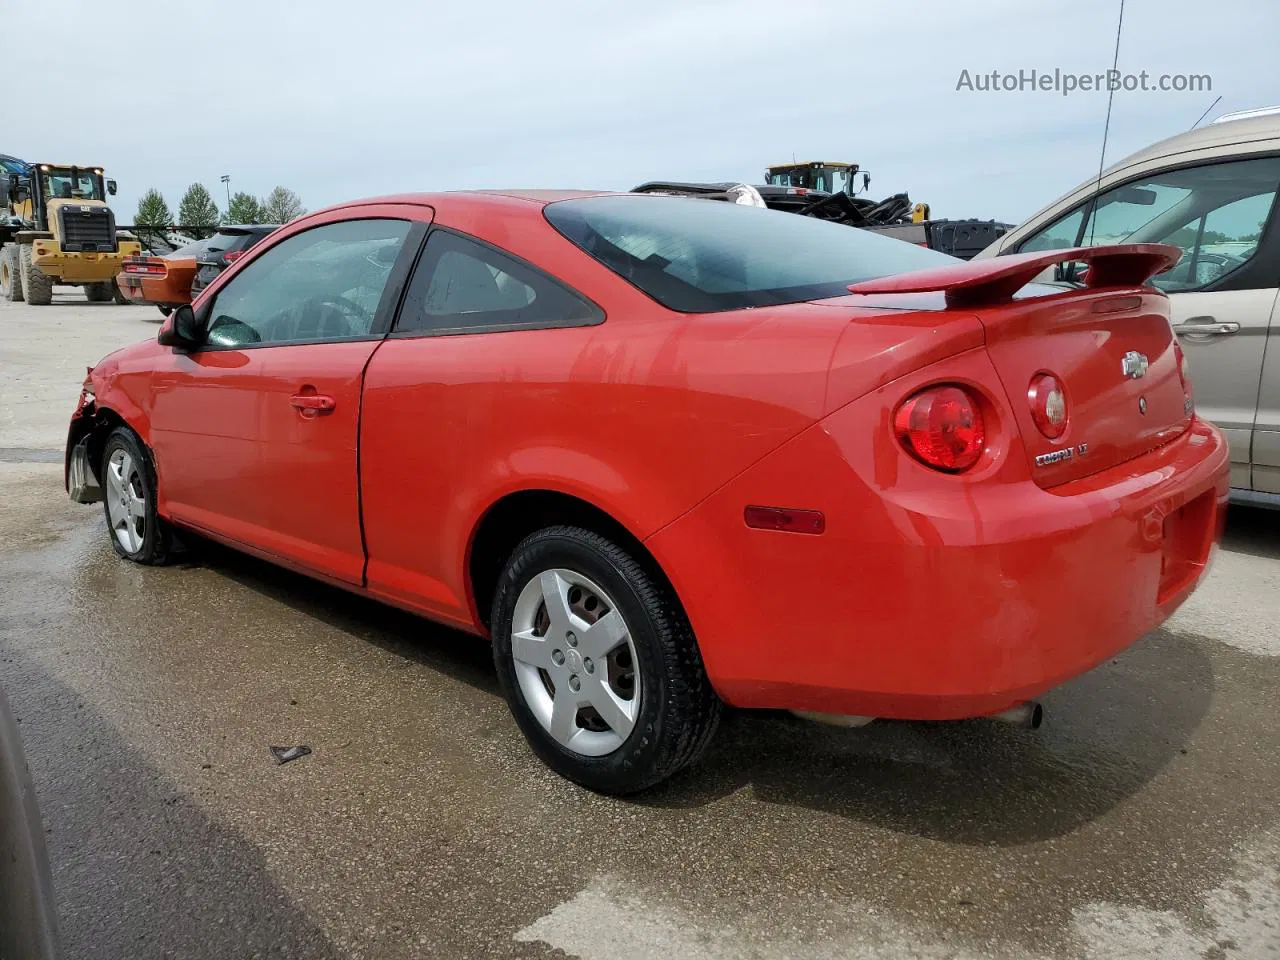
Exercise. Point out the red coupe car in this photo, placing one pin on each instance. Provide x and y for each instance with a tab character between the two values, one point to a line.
668	454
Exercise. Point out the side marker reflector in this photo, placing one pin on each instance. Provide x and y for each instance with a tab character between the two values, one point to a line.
781	518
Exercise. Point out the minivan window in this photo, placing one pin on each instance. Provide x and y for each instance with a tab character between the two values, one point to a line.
702	256
1214	212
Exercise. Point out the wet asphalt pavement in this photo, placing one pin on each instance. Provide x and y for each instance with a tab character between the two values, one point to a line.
1140	821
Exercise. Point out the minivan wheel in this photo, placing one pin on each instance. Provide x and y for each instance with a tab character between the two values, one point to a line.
598	663
129	499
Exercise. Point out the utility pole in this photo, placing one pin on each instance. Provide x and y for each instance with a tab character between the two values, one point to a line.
226	178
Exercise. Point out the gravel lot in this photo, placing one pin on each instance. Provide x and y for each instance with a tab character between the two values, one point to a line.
1141	821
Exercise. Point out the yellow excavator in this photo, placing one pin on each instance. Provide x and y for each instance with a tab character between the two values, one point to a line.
56	228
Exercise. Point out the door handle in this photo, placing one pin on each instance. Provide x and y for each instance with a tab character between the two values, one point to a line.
313	402
1206	326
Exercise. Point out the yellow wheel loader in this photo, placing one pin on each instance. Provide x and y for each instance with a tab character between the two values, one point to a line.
57	229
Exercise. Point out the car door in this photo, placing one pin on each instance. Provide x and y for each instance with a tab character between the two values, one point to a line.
470	314
1223	291
1266	431
275	393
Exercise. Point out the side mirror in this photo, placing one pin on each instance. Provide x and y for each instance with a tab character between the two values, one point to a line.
111	187
181	329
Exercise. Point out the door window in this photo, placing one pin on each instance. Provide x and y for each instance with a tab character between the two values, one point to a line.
322	284
463	285
1215	213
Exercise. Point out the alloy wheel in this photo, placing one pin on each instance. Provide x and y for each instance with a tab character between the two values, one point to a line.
575	662
126	501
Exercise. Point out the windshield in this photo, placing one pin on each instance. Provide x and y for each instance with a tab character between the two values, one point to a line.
828	179
701	256
65	183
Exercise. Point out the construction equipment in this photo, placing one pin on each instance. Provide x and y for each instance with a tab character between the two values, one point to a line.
56	227
828	190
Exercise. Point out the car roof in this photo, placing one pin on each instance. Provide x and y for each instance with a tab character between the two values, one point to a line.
496	198
234	228
1221	133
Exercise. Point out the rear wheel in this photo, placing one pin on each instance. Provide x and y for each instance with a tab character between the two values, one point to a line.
129	498
598	663
117	294
36	284
10	273
99	292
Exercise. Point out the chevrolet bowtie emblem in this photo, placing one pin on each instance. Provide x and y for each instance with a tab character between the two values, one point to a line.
1134	365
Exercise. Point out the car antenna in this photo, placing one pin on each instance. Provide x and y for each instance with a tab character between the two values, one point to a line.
1206	112
1106	128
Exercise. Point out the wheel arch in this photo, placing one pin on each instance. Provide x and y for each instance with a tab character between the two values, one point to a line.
98	426
518	513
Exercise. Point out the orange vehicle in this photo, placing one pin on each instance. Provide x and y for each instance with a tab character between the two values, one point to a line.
163	281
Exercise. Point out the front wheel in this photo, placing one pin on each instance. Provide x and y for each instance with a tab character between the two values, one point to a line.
129	497
598	663
10	273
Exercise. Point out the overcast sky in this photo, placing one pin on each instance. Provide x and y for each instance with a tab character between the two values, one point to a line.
345	99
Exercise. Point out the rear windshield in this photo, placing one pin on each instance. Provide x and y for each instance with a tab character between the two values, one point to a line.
221	242
702	256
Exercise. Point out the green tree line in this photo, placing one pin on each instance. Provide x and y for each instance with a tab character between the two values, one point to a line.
198	208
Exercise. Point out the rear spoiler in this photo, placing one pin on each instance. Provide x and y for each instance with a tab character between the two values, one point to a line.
995	280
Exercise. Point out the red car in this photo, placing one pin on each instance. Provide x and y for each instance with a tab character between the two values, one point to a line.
668	454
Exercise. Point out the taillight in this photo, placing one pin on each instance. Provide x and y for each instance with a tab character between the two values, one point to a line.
1184	374
942	427
231	256
145	268
1048	399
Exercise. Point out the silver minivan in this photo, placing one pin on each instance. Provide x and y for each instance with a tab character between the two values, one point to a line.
1210	191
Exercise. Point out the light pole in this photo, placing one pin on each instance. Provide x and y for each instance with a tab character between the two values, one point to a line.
226	178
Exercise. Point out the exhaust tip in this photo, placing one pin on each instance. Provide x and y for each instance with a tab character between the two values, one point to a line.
1028	715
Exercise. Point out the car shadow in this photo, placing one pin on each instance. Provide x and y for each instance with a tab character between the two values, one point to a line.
1106	734
1252	530
453	652
138	869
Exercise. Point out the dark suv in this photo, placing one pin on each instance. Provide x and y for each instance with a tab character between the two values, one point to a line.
225	247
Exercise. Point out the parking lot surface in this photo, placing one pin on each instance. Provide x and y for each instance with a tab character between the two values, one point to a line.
1140	821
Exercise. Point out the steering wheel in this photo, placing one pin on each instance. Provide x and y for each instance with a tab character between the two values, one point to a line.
350	314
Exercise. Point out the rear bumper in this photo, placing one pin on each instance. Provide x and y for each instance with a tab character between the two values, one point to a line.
931	597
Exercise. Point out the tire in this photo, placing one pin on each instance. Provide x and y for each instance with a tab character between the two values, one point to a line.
165	310
36	285
677	711
10	273
99	292
117	294
129	481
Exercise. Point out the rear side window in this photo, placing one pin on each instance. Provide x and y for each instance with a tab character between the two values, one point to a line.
462	285
700	256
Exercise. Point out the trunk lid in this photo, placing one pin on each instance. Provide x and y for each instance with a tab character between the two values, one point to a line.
1109	343
1114	354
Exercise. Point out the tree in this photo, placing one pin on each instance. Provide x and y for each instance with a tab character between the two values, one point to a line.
197	208
244	209
152	210
281	206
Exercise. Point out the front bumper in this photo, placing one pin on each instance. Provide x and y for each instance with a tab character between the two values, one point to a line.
932	597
